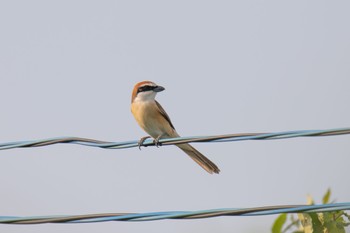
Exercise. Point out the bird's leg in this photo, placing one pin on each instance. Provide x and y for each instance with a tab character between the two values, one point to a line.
141	141
156	141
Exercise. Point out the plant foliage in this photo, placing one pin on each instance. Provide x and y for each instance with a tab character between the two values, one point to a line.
325	222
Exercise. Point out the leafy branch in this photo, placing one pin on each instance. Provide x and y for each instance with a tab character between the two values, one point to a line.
324	222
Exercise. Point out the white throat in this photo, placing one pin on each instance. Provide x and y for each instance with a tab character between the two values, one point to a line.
145	96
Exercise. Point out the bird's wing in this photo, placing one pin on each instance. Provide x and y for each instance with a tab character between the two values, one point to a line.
165	115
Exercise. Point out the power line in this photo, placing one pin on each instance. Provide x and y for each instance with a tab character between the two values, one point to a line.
152	216
172	141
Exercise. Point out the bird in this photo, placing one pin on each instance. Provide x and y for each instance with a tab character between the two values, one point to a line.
153	119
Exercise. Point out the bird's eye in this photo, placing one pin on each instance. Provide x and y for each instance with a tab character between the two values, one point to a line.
145	88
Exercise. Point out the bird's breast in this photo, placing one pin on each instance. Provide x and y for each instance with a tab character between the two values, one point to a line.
150	120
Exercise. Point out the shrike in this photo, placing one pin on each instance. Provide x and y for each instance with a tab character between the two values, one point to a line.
152	118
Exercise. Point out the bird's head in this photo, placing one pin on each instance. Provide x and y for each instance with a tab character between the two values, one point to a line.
145	90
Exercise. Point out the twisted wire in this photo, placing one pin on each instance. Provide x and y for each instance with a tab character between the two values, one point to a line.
152	216
172	141
104	217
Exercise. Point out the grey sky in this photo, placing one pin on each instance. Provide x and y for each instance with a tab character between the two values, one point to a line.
67	68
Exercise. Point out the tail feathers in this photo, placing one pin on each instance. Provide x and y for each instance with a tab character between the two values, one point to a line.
199	158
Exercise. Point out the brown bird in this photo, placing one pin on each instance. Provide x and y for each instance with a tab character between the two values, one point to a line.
152	118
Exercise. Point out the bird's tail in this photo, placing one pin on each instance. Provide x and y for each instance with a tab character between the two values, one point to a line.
199	158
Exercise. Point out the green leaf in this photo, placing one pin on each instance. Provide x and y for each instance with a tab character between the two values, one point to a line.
317	226
278	224
333	227
326	197
334	222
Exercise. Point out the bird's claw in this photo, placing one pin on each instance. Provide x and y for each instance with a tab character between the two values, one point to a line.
156	141
141	141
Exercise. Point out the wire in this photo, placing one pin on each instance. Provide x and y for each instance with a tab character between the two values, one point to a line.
105	217
172	141
152	216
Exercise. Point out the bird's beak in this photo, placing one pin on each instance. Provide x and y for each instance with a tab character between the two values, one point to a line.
158	89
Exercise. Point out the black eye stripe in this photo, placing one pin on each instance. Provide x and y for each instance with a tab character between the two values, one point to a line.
145	88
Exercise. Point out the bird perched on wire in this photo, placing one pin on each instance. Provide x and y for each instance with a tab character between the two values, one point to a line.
152	118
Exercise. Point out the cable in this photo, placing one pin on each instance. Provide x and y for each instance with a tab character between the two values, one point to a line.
172	141
89	218
152	216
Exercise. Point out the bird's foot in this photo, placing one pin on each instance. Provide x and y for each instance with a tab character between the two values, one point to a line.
141	141
156	141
